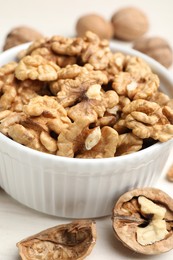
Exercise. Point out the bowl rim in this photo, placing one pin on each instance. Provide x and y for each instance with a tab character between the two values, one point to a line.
37	154
135	155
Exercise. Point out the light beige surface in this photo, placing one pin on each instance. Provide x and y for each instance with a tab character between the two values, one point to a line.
59	17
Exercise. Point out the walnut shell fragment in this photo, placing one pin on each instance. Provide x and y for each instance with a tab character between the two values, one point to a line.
143	221
69	241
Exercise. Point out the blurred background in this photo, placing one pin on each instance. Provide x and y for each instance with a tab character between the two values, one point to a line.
51	17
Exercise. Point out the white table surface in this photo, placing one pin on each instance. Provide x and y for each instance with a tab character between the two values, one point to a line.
59	17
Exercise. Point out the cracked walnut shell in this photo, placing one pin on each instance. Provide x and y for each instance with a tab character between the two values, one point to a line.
69	241
143	220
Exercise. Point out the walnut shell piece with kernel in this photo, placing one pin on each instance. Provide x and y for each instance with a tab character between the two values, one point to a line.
143	220
19	35
157	48
69	241
129	23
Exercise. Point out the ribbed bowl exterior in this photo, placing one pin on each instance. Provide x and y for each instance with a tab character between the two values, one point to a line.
79	188
75	188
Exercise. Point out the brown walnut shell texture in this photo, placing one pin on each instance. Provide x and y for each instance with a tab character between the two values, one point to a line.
129	23
19	35
96	24
73	241
169	174
125	224
157	48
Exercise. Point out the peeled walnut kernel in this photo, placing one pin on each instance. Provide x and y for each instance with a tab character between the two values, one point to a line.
95	23
128	143
129	23
127	84
48	142
72	139
156	230
157	48
143	220
36	67
105	148
69	241
19	35
146	119
9	119
93	138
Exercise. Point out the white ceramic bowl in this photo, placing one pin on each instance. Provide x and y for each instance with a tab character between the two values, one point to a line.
80	188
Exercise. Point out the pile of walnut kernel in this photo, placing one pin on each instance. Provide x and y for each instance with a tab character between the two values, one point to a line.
73	97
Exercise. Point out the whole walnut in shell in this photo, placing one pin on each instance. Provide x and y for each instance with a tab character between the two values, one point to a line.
129	23
19	35
143	221
96	24
169	174
157	48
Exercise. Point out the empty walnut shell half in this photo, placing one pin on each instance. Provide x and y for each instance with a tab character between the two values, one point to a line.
143	221
69	241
